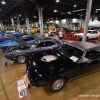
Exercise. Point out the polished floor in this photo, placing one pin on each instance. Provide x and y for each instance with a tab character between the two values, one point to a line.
84	88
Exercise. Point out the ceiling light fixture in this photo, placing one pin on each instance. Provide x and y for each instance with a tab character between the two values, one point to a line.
55	10
3	2
75	5
57	0
22	19
20	15
15	17
97	10
69	12
34	16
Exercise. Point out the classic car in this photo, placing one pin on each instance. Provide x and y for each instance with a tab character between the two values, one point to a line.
14	41
91	34
2	37
19	53
13	33
61	64
52	32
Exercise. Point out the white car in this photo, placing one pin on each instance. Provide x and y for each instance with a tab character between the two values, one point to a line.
52	32
91	34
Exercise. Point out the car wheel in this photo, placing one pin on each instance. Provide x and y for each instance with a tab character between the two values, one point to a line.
87	38
21	59
57	84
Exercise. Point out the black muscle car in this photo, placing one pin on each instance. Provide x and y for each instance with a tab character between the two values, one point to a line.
62	63
19	53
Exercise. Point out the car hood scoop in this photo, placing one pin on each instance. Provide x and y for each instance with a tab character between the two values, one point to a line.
48	58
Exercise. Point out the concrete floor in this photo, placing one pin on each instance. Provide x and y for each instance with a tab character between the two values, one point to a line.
86	86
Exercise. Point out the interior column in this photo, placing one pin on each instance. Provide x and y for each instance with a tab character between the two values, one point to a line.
12	21
88	11
27	23
18	23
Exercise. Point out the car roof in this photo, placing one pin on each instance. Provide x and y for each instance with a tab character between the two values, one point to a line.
86	46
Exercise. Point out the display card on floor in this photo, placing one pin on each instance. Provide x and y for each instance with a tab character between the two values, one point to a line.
21	87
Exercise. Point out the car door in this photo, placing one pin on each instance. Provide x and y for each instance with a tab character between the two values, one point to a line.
83	67
88	64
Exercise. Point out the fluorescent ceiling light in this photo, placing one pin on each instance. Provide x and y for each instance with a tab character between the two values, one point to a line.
3	2
78	10
97	9
20	15
57	0
55	10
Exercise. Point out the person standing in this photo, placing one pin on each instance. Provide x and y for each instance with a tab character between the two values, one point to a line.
60	35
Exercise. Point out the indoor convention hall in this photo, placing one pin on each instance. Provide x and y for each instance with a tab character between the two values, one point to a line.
49	49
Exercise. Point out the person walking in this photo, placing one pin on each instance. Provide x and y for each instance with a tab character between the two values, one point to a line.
60	35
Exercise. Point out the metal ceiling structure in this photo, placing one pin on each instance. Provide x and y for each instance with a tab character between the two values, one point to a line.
64	8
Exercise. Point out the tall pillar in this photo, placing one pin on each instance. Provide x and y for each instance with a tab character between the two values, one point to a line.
1	25
18	23
27	23
81	19
41	21
12	21
40	18
88	11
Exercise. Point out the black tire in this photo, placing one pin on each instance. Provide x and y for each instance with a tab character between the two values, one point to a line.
54	82
21	59
87	38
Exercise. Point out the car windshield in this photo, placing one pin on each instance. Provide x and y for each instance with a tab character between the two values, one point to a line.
71	52
35	43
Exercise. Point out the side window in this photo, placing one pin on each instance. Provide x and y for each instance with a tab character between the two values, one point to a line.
42	44
49	43
89	56
46	44
94	32
97	54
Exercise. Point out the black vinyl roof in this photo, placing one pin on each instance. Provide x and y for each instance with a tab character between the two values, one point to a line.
14	7
85	45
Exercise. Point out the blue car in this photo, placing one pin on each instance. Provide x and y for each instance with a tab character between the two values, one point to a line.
16	34
27	39
2	37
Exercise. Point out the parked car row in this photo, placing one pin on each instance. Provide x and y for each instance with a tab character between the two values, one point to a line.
55	62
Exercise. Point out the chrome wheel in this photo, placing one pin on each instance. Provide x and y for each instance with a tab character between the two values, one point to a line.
58	84
21	59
